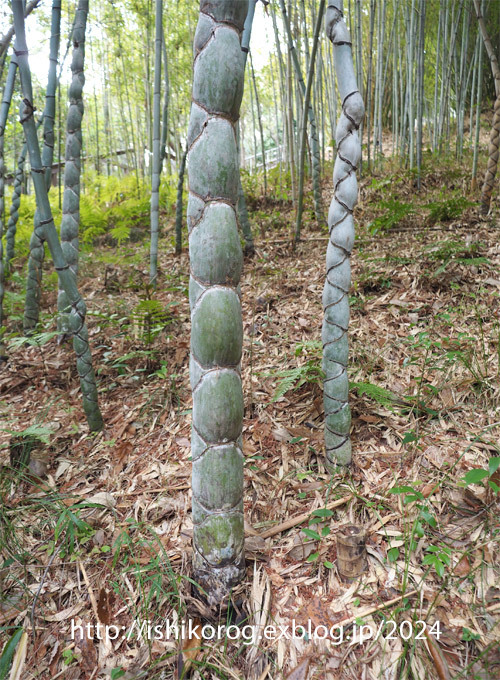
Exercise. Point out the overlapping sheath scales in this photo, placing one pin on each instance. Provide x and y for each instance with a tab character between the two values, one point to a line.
341	230
216	322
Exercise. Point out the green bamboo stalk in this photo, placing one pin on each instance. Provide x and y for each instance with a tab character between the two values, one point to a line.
37	247
70	223
420	88
166	97
178	205
217	330
243	219
4	112
155	180
318	207
66	276
14	205
259	121
493	150
341	229
478	109
368	94
7	37
307	106
14	209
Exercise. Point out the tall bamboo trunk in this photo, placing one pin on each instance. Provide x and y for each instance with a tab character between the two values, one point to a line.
70	223
368	94
316	168
478	110
37	241
66	277
305	114
243	219
178	205
493	150
259	121
217	330
341	229
4	112
155	179
420	89
166	98
14	210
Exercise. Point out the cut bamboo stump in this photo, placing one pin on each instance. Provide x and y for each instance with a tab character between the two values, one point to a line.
351	552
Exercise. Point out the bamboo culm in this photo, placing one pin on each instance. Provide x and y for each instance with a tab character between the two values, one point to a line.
259	120
14	211
37	247
70	222
478	109
243	219
493	150
341	239
66	277
166	97
216	321
307	105
7	37
318	208
4	112
178	205
155	180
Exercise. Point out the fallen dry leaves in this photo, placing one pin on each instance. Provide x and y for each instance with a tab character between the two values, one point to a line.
406	324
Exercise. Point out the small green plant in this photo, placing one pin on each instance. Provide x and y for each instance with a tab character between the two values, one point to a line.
70	530
310	372
121	363
150	317
438	557
395	212
162	372
485	477
318	516
34	340
116	205
379	394
23	442
423	517
144	579
8	653
68	657
36	431
450	209
280	184
469	636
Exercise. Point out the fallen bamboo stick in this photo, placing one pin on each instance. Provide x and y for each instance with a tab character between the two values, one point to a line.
298	519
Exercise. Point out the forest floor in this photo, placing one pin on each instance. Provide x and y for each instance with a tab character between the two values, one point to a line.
105	535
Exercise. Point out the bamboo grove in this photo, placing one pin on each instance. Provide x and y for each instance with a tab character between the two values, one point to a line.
125	98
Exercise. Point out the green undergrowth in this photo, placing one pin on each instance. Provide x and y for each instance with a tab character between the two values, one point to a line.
396	202
111	207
